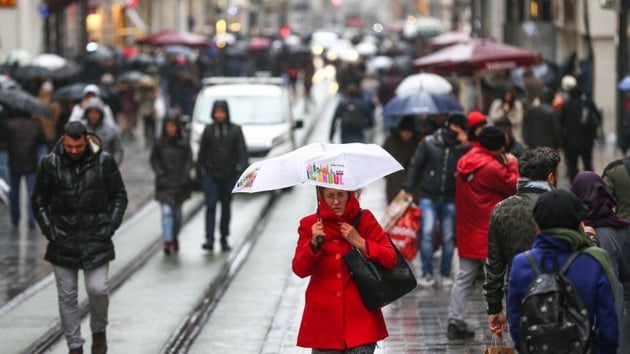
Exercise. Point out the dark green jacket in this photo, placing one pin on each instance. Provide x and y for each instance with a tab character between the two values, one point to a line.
511	231
618	182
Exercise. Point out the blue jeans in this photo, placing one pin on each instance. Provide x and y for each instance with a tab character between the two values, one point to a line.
14	196
171	221
433	211
217	190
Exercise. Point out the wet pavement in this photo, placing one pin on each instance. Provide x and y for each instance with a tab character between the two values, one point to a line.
260	311
22	249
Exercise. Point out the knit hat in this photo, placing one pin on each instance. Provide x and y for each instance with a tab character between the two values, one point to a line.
492	138
475	118
559	208
459	119
407	123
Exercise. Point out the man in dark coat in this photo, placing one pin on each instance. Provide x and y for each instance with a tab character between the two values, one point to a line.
578	134
512	227
401	144
171	160
79	201
24	135
433	166
222	158
540	124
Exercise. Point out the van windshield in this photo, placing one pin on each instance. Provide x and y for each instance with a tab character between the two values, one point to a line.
244	110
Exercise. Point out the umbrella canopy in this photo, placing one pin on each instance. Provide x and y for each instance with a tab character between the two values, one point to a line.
49	61
16	56
174	37
132	76
23	101
432	83
30	72
6	82
74	92
475	56
366	48
339	166
380	62
258	43
422	102
447	39
624	84
179	50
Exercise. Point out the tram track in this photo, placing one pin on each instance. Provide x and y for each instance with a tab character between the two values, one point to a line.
183	337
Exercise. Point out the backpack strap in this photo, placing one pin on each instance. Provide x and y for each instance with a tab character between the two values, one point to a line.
532	262
568	262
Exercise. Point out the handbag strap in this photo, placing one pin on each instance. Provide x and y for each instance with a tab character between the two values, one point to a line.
357	220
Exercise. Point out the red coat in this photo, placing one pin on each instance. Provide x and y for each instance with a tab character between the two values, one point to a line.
481	182
334	315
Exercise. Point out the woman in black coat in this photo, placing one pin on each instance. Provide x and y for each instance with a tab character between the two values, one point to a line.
171	160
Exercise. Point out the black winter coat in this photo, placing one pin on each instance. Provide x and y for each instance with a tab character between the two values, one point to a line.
171	160
576	135
222	152
434	165
78	205
23	136
541	127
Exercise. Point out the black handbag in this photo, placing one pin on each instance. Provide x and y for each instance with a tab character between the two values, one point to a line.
378	285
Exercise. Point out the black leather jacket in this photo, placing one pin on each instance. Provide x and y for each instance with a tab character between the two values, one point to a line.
434	165
79	205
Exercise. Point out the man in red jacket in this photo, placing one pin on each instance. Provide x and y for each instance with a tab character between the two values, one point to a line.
485	176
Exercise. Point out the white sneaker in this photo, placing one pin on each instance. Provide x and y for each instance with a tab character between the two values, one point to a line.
447	282
426	281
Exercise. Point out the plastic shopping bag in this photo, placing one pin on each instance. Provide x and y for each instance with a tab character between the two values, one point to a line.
403	233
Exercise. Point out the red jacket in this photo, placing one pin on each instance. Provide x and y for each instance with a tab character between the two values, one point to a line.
481	182
334	315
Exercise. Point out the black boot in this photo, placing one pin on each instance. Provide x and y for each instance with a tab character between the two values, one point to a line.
99	343
225	247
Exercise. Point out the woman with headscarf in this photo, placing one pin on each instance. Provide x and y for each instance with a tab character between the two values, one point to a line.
613	233
335	320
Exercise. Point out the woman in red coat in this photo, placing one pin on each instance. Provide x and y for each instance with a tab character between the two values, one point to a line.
334	316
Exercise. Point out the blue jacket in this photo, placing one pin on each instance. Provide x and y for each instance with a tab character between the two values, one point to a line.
587	275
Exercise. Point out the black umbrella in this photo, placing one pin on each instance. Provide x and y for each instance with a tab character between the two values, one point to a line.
7	82
69	70
74	92
30	72
131	76
23	101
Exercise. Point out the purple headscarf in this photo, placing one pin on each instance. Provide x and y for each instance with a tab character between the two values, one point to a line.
592	191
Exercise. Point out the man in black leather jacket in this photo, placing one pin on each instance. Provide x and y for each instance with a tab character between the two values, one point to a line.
512	227
79	201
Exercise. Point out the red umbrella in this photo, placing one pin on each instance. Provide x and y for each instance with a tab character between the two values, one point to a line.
258	43
174	37
475	56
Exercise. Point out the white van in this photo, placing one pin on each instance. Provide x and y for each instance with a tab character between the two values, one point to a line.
261	106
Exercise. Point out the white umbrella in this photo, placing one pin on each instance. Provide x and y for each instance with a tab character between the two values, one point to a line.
381	62
49	61
423	82
339	166
366	48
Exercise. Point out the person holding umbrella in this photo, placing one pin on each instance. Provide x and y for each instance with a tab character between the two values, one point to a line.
335	320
